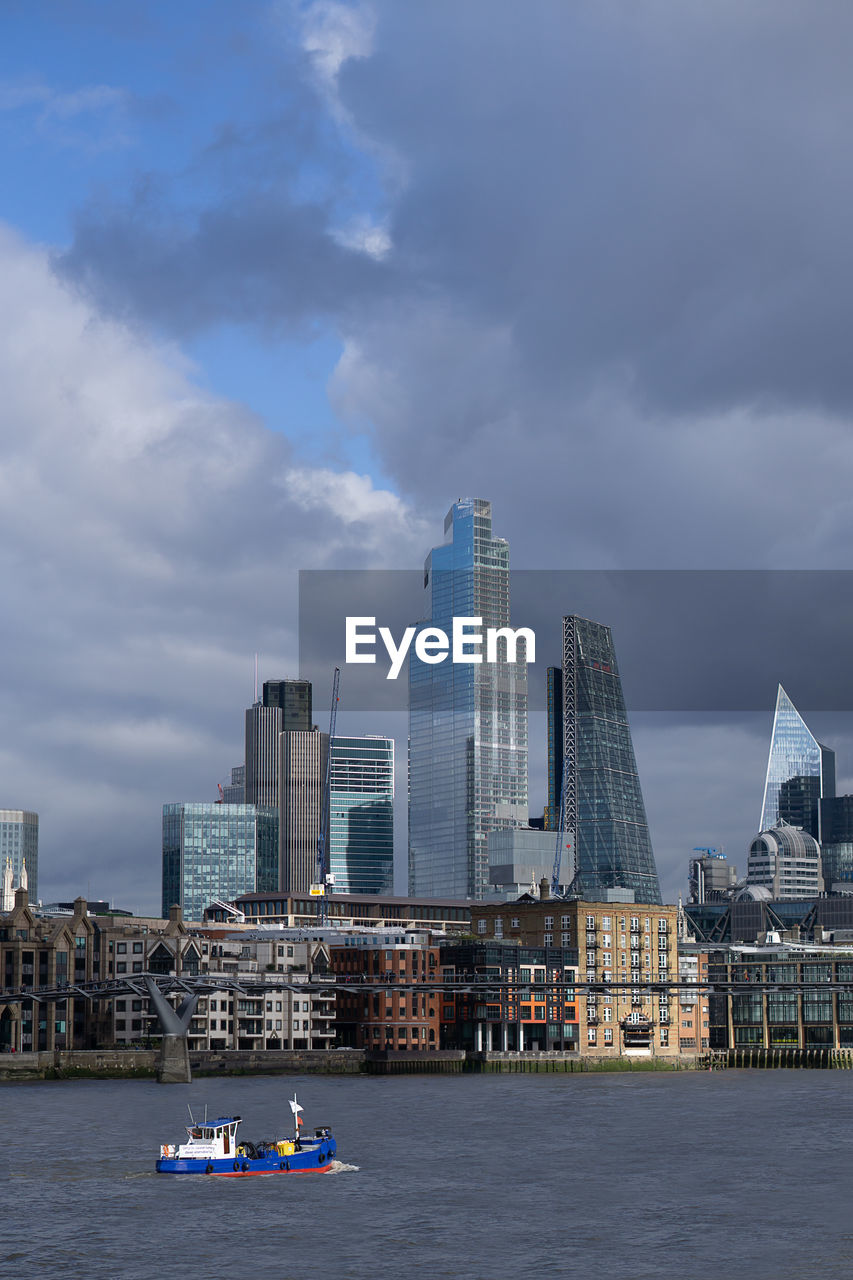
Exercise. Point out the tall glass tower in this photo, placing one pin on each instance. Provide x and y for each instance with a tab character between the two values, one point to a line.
361	815
795	753
467	721
603	803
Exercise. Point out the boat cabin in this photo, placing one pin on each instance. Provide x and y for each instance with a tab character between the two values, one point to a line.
212	1140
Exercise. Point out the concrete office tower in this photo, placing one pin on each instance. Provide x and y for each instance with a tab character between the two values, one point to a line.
284	707
785	861
603	803
216	851
795	753
467	721
19	846
361	817
303	760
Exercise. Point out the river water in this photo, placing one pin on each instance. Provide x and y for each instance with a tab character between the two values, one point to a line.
693	1175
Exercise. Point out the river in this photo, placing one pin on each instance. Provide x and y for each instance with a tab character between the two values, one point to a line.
696	1175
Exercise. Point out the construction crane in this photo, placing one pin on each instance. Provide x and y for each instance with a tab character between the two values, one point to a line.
561	836
325	881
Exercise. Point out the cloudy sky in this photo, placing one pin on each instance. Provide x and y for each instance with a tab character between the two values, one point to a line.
281	280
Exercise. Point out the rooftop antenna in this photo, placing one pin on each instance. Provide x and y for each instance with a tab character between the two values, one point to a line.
256	677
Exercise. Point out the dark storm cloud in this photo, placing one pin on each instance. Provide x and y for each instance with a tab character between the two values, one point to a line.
650	193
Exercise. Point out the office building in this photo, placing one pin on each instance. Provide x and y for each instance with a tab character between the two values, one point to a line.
795	755
785	861
303	758
604	815
235	791
361	815
216	851
467	721
837	844
520	858
19	848
802	1000
284	707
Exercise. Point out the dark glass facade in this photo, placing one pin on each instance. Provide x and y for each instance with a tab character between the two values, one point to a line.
467	721
603	801
293	698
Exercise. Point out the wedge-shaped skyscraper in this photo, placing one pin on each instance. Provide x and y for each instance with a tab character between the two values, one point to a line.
798	760
604	814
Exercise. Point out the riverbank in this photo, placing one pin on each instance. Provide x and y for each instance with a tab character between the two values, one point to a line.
142	1064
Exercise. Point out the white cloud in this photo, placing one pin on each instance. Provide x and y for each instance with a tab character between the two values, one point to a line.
150	536
333	33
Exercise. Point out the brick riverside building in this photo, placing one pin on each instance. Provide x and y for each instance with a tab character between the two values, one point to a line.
631	944
407	1020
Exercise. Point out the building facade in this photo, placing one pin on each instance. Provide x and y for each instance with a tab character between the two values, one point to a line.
303	759
284	707
349	910
405	1014
627	966
19	847
526	1000
795	753
804	1009
519	858
467	721
604	814
216	851
786	862
361	815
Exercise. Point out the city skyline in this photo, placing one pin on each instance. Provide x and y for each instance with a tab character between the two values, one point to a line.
272	299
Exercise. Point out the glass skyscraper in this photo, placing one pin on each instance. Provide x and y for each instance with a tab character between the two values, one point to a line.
216	851
604	814
361	815
19	845
795	753
467	721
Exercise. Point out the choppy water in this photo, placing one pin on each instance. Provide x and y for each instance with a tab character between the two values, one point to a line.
691	1175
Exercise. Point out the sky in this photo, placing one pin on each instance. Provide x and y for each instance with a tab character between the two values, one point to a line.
280	281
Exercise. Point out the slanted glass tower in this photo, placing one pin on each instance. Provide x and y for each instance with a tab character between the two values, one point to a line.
603	803
467	721
795	753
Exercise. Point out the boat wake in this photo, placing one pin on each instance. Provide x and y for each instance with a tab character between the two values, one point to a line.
338	1166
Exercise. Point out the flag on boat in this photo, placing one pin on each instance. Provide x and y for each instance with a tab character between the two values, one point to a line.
295	1108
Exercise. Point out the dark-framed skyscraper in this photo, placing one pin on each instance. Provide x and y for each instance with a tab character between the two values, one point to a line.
604	814
795	757
467	721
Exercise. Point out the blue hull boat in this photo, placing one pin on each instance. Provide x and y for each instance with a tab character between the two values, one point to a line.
213	1148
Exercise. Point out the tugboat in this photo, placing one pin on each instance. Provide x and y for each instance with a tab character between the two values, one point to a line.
214	1148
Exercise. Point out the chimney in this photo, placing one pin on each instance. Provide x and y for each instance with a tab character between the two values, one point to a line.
544	889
